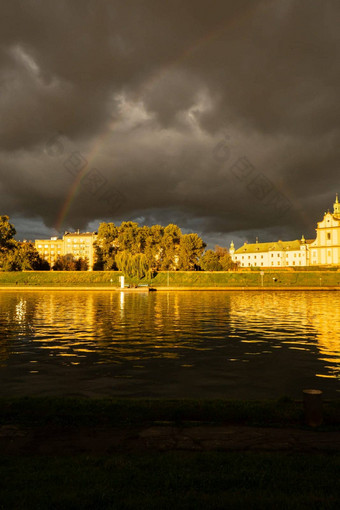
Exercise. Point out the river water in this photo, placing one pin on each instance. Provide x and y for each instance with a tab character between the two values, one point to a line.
211	344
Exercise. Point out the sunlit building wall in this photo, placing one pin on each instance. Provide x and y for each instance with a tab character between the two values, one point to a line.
323	251
77	244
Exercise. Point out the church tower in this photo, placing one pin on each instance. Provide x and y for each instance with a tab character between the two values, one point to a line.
325	250
336	207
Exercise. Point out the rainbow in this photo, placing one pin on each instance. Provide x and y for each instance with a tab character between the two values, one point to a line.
76	185
100	140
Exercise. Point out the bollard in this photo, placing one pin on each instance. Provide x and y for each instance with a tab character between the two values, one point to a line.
312	403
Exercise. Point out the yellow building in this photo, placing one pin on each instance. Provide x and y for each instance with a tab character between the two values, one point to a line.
78	244
275	254
325	250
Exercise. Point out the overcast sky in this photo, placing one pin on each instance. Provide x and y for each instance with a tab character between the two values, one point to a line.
222	117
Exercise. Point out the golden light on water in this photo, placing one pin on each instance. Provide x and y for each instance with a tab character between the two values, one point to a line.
295	334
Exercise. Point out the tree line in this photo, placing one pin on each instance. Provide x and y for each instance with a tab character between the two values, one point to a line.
16	255
155	248
160	248
23	256
136	250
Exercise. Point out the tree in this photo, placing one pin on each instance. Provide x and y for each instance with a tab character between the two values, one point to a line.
82	264
210	261
170	247
106	247
7	232
15	255
225	258
190	249
165	248
22	257
218	260
128	239
65	263
153	247
134	266
30	258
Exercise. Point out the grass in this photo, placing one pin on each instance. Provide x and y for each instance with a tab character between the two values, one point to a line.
174	480
192	279
246	279
60	278
166	480
81	411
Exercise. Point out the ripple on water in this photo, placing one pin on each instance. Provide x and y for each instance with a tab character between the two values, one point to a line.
282	340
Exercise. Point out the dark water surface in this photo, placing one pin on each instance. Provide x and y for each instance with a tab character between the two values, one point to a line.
177	344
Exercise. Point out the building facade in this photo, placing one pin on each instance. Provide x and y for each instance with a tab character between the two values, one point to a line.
276	254
77	244
323	251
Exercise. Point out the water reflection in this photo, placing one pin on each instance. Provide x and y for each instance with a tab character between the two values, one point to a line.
301	321
221	339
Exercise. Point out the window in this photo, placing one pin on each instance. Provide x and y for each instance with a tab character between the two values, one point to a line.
293	262
328	236
272	254
261	256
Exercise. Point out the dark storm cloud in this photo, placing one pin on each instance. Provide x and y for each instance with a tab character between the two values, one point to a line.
222	117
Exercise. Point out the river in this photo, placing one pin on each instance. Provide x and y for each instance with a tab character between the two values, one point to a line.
212	344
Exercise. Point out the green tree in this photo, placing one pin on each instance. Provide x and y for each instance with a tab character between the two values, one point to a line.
106	247
170	247
30	258
65	263
210	261
153	247
191	248
82	264
133	266
15	255
218	260
225	258
7	233
128	239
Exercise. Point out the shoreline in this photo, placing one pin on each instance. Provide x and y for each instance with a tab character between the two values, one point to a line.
165	289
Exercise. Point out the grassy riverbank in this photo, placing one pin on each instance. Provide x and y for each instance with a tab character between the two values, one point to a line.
126	476
171	480
187	279
94	412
